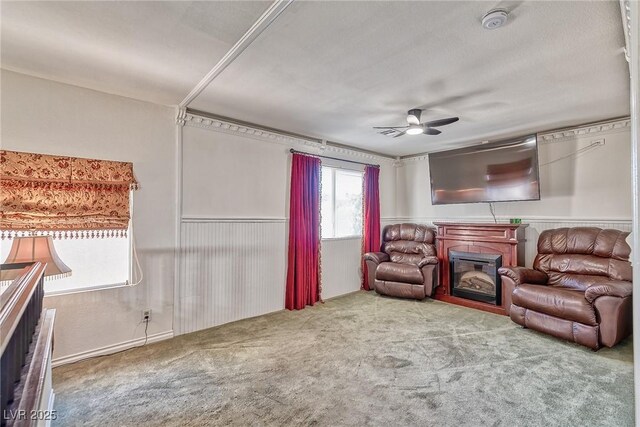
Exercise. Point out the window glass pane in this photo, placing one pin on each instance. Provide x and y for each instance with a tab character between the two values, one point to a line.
348	203
326	203
93	262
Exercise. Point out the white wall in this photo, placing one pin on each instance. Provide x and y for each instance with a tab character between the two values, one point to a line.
595	184
47	117
234	205
590	189
634	67
235	193
341	266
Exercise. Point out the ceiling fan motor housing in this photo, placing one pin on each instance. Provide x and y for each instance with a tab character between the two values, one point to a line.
413	116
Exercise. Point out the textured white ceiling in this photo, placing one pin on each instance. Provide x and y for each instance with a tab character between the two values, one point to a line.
336	69
154	51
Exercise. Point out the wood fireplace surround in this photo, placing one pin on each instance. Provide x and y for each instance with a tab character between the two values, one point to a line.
506	240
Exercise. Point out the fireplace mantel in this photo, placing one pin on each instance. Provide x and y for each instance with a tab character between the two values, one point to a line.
506	240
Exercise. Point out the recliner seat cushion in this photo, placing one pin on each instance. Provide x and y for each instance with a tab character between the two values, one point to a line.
579	282
555	301
404	273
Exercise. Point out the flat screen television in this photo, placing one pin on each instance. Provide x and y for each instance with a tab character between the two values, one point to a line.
495	172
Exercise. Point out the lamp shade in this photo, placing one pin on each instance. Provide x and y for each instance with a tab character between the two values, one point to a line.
31	249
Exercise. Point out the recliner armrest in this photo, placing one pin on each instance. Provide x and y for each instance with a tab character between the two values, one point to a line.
521	275
428	260
614	288
376	257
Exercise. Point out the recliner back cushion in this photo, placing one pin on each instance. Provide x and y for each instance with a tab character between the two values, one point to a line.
408	243
412	232
570	256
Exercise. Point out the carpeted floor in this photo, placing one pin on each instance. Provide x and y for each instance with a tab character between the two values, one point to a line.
361	359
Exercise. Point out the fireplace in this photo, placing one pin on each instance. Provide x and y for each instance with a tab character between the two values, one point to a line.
475	276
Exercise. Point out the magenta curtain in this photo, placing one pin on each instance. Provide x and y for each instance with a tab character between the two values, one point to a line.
370	217
303	271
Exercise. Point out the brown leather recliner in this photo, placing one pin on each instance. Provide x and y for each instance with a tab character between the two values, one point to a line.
407	267
579	288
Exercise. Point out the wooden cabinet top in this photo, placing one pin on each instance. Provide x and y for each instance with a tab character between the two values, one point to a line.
481	232
480	225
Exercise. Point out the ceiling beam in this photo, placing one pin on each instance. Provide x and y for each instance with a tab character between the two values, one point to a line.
267	18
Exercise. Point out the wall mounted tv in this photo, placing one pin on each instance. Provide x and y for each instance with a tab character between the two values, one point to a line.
494	172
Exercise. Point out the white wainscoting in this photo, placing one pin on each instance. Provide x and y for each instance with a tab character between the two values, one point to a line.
230	269
536	226
340	266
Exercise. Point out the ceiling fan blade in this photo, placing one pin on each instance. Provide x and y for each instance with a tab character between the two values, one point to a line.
400	134
431	131
390	127
441	122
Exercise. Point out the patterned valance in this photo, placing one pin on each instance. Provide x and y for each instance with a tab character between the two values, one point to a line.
64	196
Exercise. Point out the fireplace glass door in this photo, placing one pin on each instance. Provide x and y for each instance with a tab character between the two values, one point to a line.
475	276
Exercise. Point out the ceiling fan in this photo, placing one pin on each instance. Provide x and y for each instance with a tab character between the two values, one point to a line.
415	127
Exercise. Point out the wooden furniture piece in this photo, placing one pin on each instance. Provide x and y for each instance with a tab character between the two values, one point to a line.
26	344
506	240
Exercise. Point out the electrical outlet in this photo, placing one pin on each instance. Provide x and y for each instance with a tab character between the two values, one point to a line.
146	315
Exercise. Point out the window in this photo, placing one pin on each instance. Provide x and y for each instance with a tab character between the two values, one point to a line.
70	195
94	262
341	203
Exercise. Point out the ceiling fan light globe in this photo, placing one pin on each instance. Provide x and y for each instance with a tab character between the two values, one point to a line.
412	120
415	130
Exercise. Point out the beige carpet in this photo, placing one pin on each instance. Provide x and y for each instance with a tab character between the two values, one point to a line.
361	359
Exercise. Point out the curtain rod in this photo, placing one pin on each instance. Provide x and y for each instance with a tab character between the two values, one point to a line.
333	158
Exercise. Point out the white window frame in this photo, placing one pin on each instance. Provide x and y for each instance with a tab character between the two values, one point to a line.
91	288
333	202
127	282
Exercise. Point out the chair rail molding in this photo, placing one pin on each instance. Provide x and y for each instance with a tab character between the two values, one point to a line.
198	218
536	224
504	219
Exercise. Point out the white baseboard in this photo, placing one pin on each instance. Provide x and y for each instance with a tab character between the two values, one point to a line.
110	349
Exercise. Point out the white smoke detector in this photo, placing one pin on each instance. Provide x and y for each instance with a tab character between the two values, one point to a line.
495	18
